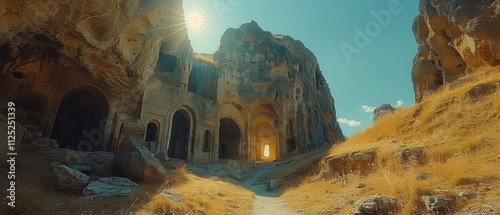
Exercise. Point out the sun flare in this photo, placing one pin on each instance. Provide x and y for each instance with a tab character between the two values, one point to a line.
195	20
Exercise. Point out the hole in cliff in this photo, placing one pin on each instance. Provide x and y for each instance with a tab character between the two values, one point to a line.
229	139
438	79
80	120
179	135
167	63
18	75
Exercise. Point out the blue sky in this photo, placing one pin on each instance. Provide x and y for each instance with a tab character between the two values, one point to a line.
362	71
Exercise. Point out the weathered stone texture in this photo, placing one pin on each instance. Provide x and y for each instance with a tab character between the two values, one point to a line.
454	37
258	67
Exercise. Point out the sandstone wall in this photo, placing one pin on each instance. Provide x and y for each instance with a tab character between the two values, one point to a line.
454	37
51	48
280	75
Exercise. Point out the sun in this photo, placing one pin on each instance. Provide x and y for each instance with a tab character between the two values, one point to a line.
195	20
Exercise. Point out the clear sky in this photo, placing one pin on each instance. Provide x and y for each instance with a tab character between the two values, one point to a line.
365	48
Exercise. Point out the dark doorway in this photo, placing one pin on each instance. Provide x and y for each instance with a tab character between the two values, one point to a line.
77	125
179	135
151	132
229	139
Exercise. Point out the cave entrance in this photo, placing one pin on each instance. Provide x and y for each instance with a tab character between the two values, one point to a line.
179	135
80	120
229	139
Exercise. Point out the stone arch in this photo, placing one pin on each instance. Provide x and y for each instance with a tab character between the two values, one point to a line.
207	140
152	131
264	131
230	142
81	119
181	133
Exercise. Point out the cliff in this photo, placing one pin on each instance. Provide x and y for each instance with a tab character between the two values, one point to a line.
455	38
51	47
258	67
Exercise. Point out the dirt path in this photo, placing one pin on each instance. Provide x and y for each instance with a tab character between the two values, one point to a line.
266	201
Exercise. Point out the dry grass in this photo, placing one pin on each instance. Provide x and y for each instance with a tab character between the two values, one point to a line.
461	138
211	196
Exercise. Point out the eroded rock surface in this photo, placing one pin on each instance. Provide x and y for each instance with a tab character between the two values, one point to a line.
258	68
454	37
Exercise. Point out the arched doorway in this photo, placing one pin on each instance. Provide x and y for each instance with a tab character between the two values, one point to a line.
179	135
229	139
151	132
80	120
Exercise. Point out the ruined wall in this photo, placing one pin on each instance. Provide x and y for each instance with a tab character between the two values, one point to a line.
280	73
454	37
50	49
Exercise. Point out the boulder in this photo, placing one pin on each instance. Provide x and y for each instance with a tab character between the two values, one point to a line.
275	184
176	197
438	203
138	163
69	179
377	204
382	110
110	186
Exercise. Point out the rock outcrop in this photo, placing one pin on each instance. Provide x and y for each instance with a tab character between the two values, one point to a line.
382	110
454	37
258	67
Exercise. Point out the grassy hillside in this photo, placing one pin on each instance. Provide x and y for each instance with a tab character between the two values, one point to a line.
457	128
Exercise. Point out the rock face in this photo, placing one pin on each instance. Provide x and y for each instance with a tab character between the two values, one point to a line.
276	73
90	73
138	163
454	37
52	53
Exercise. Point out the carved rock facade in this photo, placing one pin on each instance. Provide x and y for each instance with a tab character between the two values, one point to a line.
90	73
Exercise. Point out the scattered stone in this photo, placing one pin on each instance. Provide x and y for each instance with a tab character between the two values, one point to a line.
176	197
485	209
138	163
382	110
110	186
374	205
275	184
82	168
422	176
69	179
360	185
467	194
438	204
